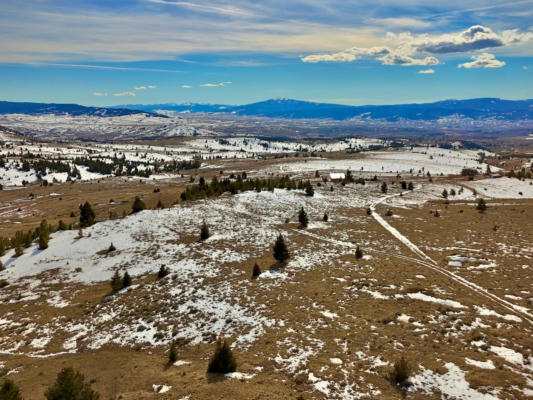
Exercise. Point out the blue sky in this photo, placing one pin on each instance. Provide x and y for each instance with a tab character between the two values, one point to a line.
235	52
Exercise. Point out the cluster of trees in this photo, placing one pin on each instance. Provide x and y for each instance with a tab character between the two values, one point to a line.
521	174
22	240
69	385
118	282
241	184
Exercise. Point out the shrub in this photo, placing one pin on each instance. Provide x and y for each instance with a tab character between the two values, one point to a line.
309	191
384	188
87	215
172	353
256	271
18	250
281	253
160	204
388	213
126	280
71	385
80	234
204	232
325	218
302	218
9	391
410	186
111	248
61	226
481	205
358	253
116	282
445	193
163	271
138	205
369	211
222	360
400	373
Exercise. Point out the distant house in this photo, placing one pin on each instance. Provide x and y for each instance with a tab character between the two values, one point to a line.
337	176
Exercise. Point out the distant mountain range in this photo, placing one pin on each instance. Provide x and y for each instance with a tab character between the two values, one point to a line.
7	107
477	109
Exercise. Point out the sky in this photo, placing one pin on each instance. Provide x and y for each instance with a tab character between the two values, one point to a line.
103	52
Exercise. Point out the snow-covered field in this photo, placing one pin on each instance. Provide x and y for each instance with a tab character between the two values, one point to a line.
503	188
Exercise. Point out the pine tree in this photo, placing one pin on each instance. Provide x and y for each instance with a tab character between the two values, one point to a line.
481	205
80	233
172	353
138	205
281	253
126	280
116	282
87	215
303	219
325	218
309	191
204	232
404	185
61	226
111	248
18	249
384	187
452	192
445	193
222	360
410	186
9	391
44	235
369	211
163	271
256	271
2	247
358	253
71	385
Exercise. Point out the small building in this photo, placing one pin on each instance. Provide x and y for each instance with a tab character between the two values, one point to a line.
337	176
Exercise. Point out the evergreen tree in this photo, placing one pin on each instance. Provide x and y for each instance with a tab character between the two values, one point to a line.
204	232
445	193
44	235
126	280
138	205
18	249
172	353
404	185
61	226
222	360
452	192
116	282
369	211
1	266
111	248
80	233
481	205
302	218
87	215
358	253
410	186
163	271
256	271
325	218
2	247
309	191
281	253
384	187
9	391
71	385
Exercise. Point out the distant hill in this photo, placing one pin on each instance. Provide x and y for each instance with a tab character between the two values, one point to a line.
478	109
7	107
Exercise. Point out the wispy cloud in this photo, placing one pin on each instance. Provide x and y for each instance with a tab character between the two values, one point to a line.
428	71
105	67
99	94
220	84
186	86
145	87
485	60
205	8
122	94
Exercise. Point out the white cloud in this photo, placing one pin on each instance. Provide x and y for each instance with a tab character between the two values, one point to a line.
216	84
140	88
205	8
99	94
186	86
401	22
151	86
428	71
484	60
121	94
525	67
409	50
